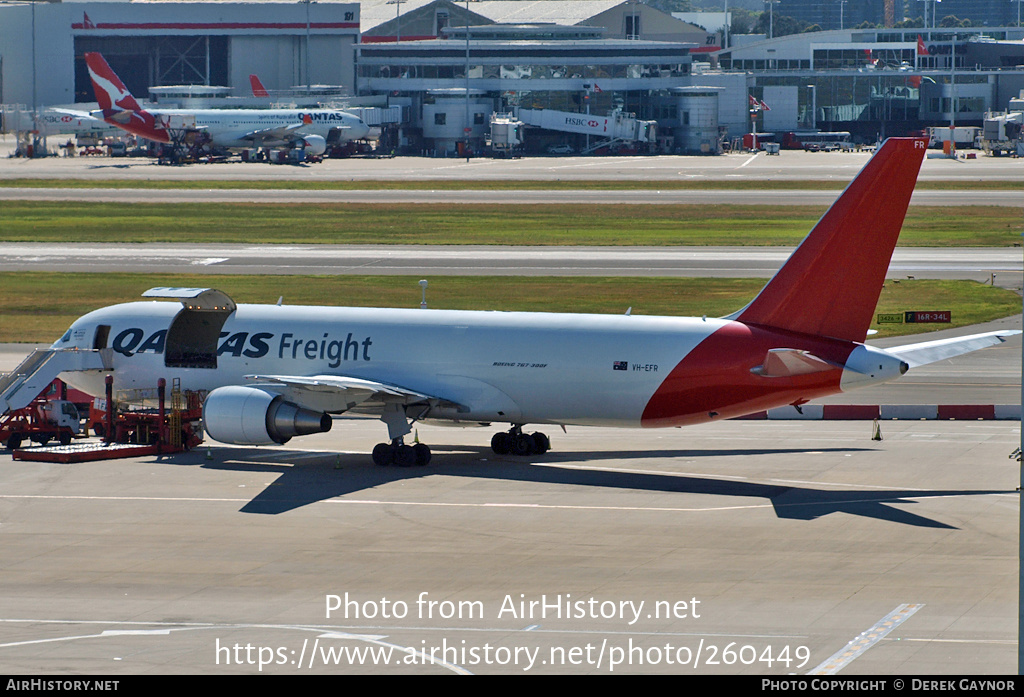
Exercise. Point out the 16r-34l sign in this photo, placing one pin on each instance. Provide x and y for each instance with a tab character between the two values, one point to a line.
930	316
915	316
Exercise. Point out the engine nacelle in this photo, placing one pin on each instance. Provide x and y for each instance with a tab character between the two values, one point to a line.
314	145
254	416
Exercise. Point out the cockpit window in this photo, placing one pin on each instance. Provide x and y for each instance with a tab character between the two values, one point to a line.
66	338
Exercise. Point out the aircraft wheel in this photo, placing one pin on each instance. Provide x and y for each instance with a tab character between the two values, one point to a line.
405	456
541	443
522	444
382	456
501	443
422	453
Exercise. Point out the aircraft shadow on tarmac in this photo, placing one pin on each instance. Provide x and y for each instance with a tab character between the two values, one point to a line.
315	478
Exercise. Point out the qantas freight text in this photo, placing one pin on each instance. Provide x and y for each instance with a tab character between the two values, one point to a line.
325	348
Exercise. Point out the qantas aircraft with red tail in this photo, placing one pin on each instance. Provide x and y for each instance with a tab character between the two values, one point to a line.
277	371
258	90
310	129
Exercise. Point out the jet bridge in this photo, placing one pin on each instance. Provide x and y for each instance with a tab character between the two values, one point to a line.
41	367
618	126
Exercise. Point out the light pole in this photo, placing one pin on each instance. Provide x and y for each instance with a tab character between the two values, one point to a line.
35	103
469	127
952	92
771	18
398	18
814	107
309	87
842	7
725	25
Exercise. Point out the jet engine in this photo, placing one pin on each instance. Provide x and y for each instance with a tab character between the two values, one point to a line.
314	145
254	416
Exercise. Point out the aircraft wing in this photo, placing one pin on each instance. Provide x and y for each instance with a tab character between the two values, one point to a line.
272	134
342	392
281	133
941	349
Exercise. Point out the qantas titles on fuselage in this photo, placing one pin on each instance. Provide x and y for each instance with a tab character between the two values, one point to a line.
327	348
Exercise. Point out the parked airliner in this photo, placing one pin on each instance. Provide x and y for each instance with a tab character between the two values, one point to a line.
277	371
311	129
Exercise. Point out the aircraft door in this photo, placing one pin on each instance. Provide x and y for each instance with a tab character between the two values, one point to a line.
194	333
99	340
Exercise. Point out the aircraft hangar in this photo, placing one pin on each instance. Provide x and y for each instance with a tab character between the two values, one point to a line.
172	43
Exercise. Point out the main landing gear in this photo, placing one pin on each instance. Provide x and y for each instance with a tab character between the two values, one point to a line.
398	453
515	442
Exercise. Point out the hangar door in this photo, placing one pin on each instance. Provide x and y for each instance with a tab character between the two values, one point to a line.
144	62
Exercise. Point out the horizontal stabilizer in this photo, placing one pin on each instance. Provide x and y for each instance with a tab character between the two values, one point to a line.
941	349
73	112
781	363
121	117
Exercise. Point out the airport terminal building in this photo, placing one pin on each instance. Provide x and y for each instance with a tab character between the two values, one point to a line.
449	66
878	82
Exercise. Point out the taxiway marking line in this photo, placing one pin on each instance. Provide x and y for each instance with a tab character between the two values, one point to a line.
842	658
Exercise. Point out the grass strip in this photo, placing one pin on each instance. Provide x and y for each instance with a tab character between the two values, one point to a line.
39	307
479	224
492	185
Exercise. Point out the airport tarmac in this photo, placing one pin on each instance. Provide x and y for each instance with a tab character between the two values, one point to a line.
789	165
758	548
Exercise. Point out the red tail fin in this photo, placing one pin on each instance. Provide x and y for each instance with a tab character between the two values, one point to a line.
830	285
110	91
258	90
